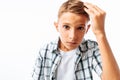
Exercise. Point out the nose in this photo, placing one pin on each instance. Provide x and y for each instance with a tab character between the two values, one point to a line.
72	34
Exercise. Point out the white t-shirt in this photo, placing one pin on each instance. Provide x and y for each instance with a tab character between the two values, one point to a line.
66	68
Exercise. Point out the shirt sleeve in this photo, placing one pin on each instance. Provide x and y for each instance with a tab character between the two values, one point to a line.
38	68
97	62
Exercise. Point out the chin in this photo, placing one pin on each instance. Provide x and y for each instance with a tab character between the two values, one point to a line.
71	48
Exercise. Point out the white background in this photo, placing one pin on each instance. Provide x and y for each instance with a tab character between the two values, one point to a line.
26	24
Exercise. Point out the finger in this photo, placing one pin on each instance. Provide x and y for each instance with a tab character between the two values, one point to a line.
92	7
89	11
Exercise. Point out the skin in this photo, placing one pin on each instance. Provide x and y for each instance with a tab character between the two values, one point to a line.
72	28
109	64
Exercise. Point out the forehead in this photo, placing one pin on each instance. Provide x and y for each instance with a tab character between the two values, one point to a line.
73	18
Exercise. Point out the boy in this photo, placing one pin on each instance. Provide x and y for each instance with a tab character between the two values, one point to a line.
71	57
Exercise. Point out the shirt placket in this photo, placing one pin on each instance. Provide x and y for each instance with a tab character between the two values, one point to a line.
54	67
76	64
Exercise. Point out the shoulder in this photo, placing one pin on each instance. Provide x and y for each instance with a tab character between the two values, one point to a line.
48	47
89	48
88	45
91	43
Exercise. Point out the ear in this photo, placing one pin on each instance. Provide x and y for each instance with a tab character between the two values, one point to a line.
56	25
88	27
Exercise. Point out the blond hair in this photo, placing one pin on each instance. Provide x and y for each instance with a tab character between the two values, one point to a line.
73	6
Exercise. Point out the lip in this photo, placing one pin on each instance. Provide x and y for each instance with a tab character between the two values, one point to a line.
72	43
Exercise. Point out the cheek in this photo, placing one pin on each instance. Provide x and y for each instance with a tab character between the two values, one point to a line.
64	34
62	31
80	35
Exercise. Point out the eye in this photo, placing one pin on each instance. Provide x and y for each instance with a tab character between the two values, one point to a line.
81	28
66	26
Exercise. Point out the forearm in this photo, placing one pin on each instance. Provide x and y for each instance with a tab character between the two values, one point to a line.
109	64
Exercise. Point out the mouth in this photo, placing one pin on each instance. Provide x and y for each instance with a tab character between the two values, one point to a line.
72	43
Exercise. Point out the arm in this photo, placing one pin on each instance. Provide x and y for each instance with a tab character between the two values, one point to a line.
109	64
110	67
38	68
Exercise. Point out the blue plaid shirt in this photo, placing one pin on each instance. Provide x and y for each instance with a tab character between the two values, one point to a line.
88	59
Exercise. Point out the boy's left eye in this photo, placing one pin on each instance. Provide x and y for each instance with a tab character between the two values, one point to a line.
81	28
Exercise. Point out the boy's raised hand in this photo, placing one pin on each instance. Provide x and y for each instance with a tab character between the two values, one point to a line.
97	17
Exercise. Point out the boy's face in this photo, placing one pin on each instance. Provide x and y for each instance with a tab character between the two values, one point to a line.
72	28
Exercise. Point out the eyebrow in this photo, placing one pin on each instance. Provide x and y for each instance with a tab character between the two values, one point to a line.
69	24
77	26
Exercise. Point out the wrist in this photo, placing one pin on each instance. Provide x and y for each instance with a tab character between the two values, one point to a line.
100	35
